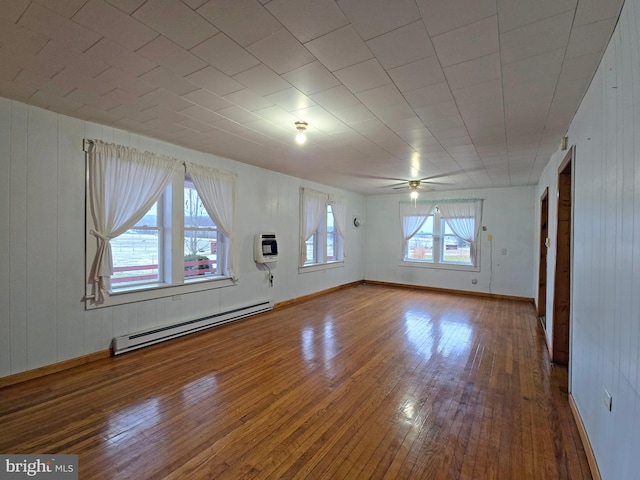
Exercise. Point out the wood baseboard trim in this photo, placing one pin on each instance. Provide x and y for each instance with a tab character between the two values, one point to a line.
304	298
591	458
54	368
452	291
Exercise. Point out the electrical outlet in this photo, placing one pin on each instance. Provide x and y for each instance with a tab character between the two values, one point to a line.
489	237
608	400
474	281
503	251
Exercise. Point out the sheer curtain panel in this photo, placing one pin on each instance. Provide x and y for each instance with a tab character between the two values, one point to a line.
464	218
123	185
412	217
217	190
314	205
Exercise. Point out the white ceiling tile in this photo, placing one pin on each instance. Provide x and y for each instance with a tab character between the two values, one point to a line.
466	43
20	38
63	30
248	99
116	55
308	19
170	55
401	46
79	80
195	4
164	78
55	53
335	98
353	114
41	83
590	38
517	14
438	112
208	100
582	67
127	6
65	8
237	114
363	76
215	81
166	99
479	70
375	17
419	74
311	78
201	114
262	80
530	69
290	99
480	93
175	21
245	21
536	38
116	77
48	100
224	54
279	116
442	16
391	114
281	52
114	24
590	11
381	97
340	48
319	119
430	95
13	10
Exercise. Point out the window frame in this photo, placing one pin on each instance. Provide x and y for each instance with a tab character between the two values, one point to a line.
438	249
320	240
171	258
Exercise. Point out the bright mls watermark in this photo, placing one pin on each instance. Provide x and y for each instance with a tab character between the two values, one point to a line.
51	467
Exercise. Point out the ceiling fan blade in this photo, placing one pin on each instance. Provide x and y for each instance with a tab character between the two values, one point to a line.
457	172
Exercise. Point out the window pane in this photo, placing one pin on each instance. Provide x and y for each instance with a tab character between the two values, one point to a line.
136	252
200	236
331	238
456	250
311	250
420	246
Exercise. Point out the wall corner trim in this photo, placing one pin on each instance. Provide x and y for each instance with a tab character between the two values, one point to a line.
591	458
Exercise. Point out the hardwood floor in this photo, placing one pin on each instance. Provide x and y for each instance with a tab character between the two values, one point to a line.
366	382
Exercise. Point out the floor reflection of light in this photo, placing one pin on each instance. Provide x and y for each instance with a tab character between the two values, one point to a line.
134	419
194	392
329	343
448	335
308	350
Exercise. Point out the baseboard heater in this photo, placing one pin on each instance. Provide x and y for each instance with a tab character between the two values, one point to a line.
126	343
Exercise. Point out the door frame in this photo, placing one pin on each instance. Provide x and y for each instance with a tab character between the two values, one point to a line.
562	275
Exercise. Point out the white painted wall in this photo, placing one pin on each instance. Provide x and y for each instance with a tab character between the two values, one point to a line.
508	214
605	322
42	223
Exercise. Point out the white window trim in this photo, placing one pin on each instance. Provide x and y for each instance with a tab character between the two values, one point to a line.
339	239
462	267
174	242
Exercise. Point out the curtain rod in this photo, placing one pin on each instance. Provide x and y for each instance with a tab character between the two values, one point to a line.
444	200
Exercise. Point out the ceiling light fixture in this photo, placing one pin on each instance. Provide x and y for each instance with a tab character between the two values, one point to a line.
301	137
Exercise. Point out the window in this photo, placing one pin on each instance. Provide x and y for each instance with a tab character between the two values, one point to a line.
325	245
442	233
160	228
136	253
322	226
200	236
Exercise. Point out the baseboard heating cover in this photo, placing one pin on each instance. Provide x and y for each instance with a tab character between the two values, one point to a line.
145	338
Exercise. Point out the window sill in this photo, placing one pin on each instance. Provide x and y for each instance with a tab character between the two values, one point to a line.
440	266
159	290
320	266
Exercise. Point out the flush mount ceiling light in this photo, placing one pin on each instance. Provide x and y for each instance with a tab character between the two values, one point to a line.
301	137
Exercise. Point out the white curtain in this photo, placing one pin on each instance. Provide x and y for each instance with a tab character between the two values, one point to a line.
124	183
412	217
217	191
464	218
314	205
339	209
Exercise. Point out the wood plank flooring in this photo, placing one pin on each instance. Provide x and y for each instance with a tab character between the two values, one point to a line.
369	382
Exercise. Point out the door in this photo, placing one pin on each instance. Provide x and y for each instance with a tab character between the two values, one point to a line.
562	286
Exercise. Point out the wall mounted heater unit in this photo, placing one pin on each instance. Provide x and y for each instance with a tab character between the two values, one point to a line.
145	338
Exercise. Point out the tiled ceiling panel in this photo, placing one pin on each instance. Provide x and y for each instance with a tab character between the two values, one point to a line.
466	93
